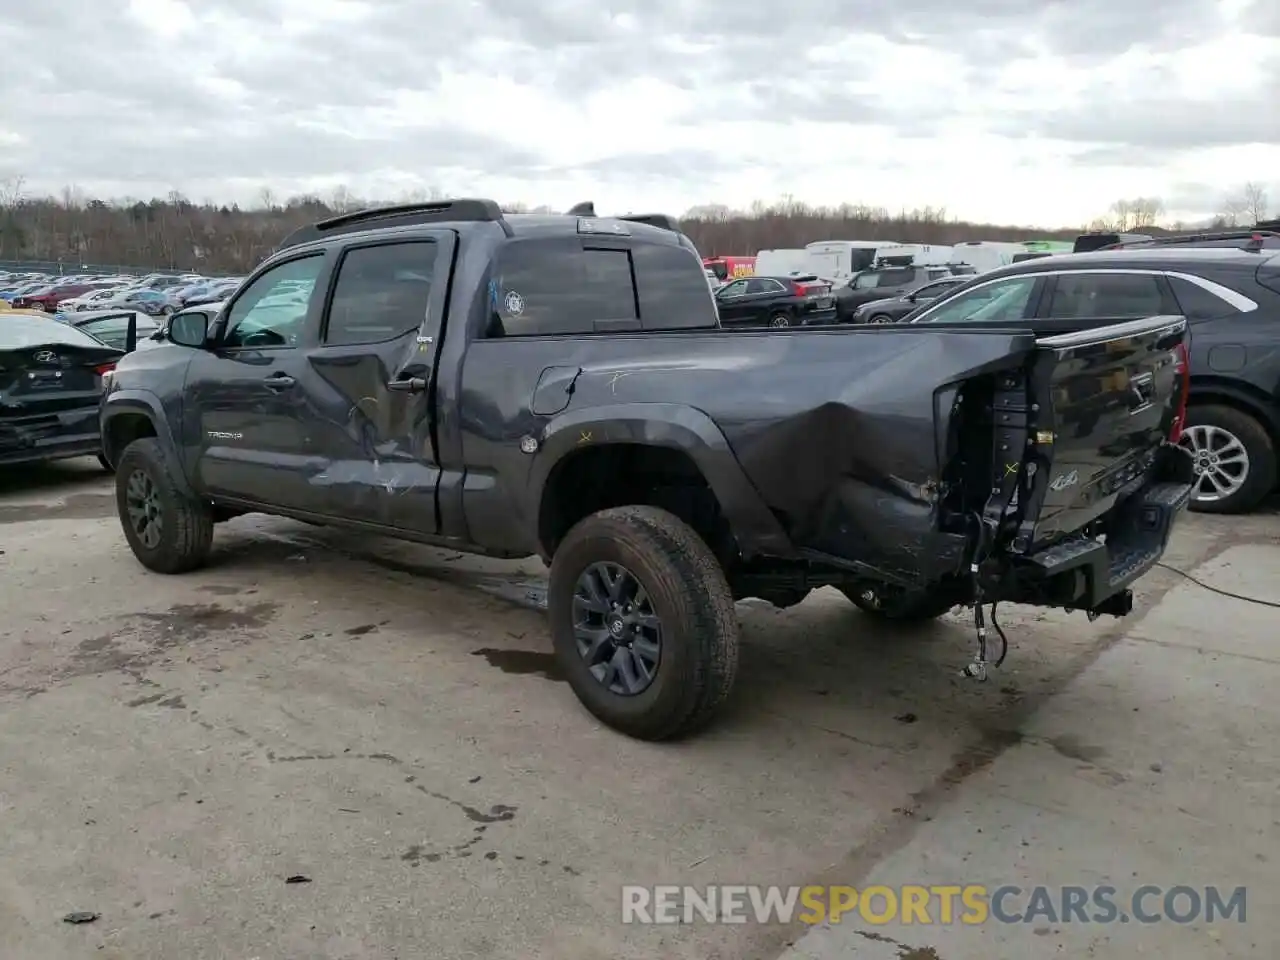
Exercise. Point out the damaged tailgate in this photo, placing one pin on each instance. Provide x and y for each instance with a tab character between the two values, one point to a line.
1102	483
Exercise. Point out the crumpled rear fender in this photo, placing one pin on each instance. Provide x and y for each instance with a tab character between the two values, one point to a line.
675	426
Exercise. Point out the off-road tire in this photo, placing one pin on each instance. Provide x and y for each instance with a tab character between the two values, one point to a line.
699	658
1261	480
902	608
186	530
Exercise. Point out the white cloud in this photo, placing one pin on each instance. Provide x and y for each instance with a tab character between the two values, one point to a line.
995	109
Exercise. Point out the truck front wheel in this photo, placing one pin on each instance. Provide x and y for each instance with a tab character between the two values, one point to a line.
643	622
168	531
898	606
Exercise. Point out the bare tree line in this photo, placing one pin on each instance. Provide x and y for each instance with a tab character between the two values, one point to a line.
176	233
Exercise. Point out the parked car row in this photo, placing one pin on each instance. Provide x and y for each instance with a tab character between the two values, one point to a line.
155	294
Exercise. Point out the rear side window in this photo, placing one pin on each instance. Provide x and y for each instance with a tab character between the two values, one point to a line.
672	288
1197	303
1104	295
896	278
382	292
558	288
22	331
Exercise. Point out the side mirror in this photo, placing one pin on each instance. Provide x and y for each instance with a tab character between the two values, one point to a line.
189	329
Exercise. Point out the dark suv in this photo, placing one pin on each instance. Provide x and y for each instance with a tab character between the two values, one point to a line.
884	283
1231	297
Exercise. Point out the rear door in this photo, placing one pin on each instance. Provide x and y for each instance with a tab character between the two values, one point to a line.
368	380
1084	299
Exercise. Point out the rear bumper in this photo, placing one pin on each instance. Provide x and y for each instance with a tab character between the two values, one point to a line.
57	436
1088	574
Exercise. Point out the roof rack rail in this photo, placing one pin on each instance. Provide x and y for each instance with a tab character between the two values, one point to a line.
663	221
399	215
1251	238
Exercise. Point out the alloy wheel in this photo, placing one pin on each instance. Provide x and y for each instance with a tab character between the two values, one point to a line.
618	632
146	515
1221	461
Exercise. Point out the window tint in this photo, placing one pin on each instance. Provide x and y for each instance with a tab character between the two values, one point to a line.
931	291
896	278
549	287
673	289
998	302
273	307
381	293
761	286
1093	295
1197	303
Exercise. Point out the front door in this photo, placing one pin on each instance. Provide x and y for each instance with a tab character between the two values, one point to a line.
371	376
247	420
731	299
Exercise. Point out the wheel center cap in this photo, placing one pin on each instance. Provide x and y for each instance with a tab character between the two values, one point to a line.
616	628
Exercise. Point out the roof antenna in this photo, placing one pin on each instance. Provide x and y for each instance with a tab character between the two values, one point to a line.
584	209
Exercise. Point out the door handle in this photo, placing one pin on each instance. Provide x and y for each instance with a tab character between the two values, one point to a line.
407	385
279	381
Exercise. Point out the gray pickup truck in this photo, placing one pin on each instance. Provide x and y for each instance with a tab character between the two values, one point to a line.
558	386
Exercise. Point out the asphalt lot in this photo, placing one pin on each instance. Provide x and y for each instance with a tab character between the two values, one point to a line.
385	720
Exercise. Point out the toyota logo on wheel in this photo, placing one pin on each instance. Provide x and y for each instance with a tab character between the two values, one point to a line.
46	356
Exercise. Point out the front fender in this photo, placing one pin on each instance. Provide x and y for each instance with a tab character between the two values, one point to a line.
132	401
755	528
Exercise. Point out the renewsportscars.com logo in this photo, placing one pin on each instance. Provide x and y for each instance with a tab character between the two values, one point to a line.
970	904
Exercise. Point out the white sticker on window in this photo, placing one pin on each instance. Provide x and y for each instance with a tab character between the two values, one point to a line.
515	303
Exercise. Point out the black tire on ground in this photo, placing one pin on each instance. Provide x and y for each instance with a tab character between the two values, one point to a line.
1260	480
881	318
698	658
186	525
900	607
780	319
106	464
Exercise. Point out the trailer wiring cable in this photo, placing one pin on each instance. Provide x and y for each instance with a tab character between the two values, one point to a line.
1218	590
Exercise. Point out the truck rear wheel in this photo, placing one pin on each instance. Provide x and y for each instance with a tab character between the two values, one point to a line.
643	622
898	606
168	531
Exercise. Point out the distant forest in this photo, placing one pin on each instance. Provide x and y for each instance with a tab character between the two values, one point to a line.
176	233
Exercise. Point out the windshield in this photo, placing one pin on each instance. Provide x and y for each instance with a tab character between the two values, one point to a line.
719	268
23	331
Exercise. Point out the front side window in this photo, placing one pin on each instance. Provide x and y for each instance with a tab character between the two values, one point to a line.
270	313
998	302
382	292
554	288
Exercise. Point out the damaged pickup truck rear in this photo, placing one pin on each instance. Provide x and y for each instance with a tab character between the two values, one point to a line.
559	386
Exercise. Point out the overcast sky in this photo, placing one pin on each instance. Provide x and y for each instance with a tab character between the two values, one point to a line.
1000	110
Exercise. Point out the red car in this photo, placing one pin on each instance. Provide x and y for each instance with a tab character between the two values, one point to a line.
48	298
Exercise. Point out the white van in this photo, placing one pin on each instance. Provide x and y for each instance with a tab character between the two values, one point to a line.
838	260
914	254
782	263
984	255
